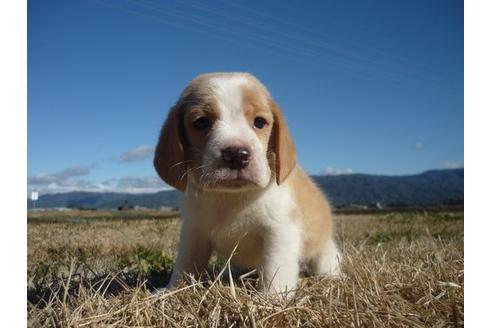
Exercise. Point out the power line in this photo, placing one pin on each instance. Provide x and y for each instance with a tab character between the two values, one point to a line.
265	41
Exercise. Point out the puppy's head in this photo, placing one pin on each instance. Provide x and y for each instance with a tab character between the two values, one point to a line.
225	133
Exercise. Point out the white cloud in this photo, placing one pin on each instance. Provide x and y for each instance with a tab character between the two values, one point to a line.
61	186
333	171
64	181
137	154
63	176
453	165
141	184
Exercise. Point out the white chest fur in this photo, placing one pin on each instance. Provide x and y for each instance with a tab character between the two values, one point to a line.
240	220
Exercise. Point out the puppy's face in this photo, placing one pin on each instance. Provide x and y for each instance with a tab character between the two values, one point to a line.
224	134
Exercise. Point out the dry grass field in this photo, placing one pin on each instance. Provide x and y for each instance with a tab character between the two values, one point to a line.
98	270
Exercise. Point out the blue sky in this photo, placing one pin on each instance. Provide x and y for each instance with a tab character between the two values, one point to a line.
366	86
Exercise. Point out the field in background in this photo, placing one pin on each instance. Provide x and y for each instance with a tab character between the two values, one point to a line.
96	269
88	216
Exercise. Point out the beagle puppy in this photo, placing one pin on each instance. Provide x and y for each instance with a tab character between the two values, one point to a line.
226	145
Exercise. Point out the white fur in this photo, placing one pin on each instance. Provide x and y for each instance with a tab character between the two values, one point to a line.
328	262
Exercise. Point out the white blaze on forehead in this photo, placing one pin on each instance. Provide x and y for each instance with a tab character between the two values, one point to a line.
228	91
229	95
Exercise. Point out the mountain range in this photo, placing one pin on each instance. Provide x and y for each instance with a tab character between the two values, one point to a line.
431	188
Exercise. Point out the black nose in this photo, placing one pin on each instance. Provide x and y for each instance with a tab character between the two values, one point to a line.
236	158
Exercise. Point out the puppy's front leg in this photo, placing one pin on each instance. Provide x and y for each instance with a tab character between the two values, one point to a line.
280	268
193	254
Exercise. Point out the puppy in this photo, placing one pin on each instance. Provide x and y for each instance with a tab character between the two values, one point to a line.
226	145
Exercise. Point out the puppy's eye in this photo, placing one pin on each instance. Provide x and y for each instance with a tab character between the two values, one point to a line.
201	123
260	122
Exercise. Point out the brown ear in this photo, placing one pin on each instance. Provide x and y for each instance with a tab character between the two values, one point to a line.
283	147
169	159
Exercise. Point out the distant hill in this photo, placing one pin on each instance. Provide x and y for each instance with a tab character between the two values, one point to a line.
108	200
436	187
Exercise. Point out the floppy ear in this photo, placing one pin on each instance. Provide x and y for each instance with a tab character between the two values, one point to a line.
169	159
283	147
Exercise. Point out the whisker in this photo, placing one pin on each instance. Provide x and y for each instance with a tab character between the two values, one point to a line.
191	170
181	163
